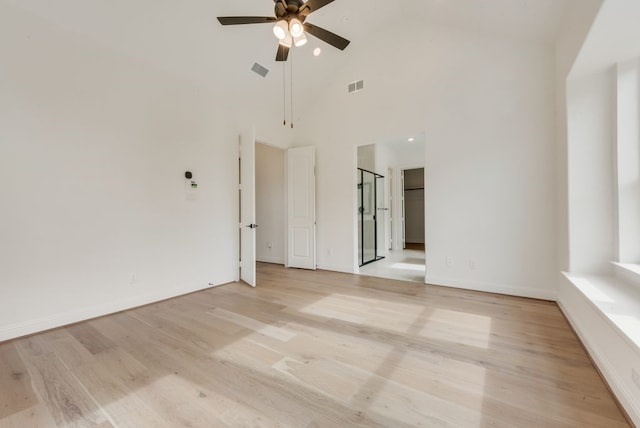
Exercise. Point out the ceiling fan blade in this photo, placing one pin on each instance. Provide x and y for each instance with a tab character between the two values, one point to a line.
327	36
238	20
313	5
283	53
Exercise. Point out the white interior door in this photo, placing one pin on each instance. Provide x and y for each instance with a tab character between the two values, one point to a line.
248	207
301	208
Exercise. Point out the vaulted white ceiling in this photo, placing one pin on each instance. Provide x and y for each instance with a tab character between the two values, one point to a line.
183	37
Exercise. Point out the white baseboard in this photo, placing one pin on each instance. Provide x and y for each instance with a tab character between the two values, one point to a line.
270	259
29	327
493	288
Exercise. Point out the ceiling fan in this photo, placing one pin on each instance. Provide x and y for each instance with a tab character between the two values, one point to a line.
290	25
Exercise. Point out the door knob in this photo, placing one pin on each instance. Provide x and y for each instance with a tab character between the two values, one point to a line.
252	226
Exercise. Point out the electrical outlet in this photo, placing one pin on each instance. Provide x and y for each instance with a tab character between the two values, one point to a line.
133	278
636	377
269	245
449	262
328	251
472	265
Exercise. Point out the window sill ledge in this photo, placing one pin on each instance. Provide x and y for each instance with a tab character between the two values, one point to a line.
616	298
629	272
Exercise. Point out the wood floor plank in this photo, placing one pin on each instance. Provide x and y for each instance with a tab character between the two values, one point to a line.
90	338
310	349
33	417
16	393
65	398
253	324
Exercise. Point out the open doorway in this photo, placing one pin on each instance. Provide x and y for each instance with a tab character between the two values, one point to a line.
285	206
413	209
404	259
270	204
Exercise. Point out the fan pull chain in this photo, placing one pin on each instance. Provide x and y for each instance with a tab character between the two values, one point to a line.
284	97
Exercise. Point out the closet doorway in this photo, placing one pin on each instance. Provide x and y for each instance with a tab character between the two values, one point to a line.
413	209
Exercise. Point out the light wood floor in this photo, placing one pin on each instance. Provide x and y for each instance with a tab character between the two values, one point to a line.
310	349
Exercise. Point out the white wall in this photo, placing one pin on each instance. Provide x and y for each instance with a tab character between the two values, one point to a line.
410	156
367	157
270	211
487	105
593	94
628	161
591	132
95	216
579	18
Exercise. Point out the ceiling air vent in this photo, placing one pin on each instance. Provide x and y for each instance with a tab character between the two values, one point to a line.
260	70
356	86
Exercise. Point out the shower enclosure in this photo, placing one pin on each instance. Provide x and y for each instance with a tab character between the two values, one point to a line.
370	197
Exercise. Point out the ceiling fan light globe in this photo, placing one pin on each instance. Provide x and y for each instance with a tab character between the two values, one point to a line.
295	27
280	30
300	41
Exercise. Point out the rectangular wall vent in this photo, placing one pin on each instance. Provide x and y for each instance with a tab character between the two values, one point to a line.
356	86
260	70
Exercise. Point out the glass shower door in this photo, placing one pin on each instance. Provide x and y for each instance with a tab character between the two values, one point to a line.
367	216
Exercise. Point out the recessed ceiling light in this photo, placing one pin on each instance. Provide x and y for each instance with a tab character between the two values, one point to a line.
411	140
317	52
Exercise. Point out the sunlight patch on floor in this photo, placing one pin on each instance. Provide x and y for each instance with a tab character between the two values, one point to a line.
323	310
403	265
357	310
439	327
408	266
268	330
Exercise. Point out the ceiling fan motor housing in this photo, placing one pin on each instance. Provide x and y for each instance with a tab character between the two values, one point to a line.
289	9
